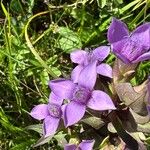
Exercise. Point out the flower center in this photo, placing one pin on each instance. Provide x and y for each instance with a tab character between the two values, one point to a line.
90	58
55	110
81	95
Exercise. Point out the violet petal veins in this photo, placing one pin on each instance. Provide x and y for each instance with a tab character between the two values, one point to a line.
117	31
131	48
73	112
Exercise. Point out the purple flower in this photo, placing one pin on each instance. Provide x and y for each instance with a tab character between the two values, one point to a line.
81	95
51	113
83	58
84	145
130	48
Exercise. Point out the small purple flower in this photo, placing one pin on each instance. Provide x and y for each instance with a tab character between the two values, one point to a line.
81	95
130	48
83	58
51	113
84	145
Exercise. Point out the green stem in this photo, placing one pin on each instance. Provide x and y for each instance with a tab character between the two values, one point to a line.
30	45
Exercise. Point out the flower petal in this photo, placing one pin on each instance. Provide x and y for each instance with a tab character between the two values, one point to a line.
76	72
55	99
145	56
100	101
142	39
78	56
62	88
87	145
50	125
40	112
73	112
141	28
122	50
105	70
101	52
70	147
117	31
87	77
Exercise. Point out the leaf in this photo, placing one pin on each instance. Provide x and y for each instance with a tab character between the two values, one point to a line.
60	137
82	16
138	5
56	71
36	127
35	62
120	1
5	123
140	137
44	77
136	19
85	33
123	72
23	145
131	98
103	3
69	40
139	118
5	11
104	142
127	7
104	24
145	128
30	5
93	122
111	128
42	141
16	6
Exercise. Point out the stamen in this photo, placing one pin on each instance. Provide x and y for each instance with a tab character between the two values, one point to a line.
55	110
81	95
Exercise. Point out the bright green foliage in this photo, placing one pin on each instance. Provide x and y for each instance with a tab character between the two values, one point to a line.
35	47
